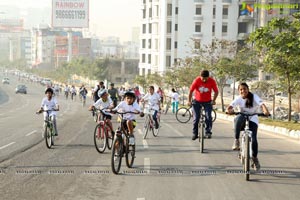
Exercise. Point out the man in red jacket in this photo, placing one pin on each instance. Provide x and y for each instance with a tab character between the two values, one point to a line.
202	88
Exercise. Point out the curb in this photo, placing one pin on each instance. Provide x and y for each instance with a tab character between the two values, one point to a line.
294	134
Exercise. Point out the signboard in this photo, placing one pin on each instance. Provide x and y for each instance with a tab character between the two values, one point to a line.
70	13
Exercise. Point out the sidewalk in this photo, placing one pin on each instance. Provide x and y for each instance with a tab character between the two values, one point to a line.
276	130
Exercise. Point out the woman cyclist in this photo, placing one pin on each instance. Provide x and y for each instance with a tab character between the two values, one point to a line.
249	103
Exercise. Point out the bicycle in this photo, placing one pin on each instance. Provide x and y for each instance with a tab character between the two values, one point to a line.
245	153
102	138
149	122
201	125
49	131
183	114
121	146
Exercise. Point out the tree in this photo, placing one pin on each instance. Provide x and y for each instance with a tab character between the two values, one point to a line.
278	44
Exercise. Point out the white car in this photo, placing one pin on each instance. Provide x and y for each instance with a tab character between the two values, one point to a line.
5	80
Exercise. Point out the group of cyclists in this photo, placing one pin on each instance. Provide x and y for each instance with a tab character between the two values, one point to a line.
203	92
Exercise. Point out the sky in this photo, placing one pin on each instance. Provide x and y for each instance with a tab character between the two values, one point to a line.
107	17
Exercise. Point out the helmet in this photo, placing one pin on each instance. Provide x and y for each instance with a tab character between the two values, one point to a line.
102	92
129	94
49	90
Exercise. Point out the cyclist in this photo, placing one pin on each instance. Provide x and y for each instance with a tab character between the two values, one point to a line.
83	92
161	94
104	102
203	85
153	99
50	103
97	89
250	103
67	91
73	92
113	92
129	104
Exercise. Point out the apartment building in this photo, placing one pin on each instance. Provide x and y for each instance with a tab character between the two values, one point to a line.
170	29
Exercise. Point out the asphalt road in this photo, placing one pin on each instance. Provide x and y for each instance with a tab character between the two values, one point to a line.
167	167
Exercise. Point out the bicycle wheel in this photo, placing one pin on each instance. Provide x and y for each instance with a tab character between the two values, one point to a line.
201	131
183	115
130	154
213	115
100	138
155	131
116	155
48	137
247	158
109	137
146	126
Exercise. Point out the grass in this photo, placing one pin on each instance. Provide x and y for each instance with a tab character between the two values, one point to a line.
285	124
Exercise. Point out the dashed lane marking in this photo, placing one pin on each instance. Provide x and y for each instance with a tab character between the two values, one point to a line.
32	132
3	147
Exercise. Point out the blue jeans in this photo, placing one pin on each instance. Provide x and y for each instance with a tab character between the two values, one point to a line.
239	124
154	116
196	117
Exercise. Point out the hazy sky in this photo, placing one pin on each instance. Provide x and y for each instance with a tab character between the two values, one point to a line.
107	17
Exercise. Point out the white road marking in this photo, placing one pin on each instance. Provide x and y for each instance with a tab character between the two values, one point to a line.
147	165
141	198
145	144
32	132
7	145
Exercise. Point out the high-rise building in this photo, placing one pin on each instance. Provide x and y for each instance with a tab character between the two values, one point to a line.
170	29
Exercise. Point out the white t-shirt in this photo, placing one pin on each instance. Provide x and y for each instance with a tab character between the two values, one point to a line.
153	100
49	105
101	104
175	96
124	107
240	103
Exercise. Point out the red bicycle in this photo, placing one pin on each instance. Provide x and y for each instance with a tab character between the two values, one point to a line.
103	136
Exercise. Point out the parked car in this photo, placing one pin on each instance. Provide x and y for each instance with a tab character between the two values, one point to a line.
5	80
21	89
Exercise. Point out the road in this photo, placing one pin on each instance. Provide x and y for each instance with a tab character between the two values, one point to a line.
167	167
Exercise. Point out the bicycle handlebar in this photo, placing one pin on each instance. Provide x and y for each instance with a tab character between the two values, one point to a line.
248	114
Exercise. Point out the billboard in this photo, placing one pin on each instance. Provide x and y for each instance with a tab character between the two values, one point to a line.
70	13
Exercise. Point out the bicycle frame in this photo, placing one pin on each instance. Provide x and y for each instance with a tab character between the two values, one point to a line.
149	122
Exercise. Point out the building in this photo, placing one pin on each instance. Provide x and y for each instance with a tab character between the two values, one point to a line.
170	29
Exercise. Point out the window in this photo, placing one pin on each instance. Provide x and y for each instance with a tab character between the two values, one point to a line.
214	12
168	45
225	10
224	28
213	27
157	11
150	28
144	13
175	45
149	43
169	27
150	12
169	9
144	28
149	58
176	27
143	58
168	61
198	10
176	10
197	27
144	43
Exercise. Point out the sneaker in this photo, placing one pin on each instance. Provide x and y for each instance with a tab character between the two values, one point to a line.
208	135
255	164
131	140
236	145
194	137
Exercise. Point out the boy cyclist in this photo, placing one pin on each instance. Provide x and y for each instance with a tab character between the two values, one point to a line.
153	99
104	102
49	103
129	105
